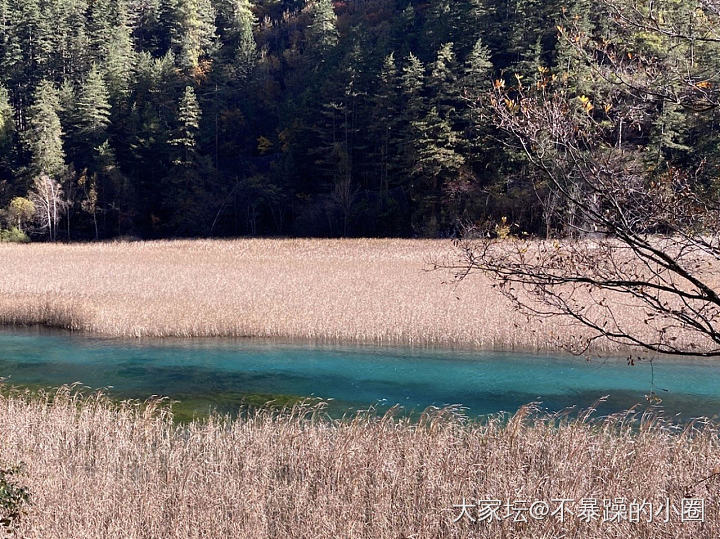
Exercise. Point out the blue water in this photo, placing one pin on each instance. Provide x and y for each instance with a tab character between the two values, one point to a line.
219	373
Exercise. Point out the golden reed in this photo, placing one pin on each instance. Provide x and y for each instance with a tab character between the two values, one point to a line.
366	291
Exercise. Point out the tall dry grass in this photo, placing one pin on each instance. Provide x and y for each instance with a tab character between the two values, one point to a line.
96	469
373	291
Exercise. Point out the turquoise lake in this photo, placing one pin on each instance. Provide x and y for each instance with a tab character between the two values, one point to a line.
220	373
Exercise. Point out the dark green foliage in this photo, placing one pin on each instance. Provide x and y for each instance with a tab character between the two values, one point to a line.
192	31
478	68
93	108
309	117
44	134
12	235
8	135
13	496
120	58
239	53
323	28
188	125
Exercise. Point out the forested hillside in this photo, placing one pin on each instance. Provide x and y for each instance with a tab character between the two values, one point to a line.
287	117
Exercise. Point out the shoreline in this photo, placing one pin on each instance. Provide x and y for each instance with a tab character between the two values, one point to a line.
300	342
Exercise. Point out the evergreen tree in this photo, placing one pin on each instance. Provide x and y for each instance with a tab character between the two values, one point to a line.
323	28
67	112
43	137
413	83
93	108
406	33
376	116
441	23
476	143
192	32
569	64
100	27
437	162
477	20
387	104
27	50
188	122
120	58
529	35
70	43
443	82
7	123
668	136
240	39
7	135
478	68
189	190
148	20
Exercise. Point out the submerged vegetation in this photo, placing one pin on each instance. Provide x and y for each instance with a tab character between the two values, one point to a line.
126	470
184	408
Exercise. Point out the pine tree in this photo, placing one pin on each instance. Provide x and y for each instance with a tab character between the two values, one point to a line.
7	122
192	32
44	134
323	28
477	19
387	103
148	20
406	32
93	108
67	112
529	33
121	58
28	49
478	68
100	28
4	15
7	134
442	81
569	63
240	38
440	23
71	46
413	83
188	122
669	132
437	158
437	162
477	78
188	189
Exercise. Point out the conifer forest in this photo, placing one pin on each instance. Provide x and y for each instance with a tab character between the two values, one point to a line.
220	118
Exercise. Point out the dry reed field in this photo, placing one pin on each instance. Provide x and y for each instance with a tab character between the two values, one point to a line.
94	468
371	291
97	469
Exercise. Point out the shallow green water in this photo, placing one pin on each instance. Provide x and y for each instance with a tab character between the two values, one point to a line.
223	373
